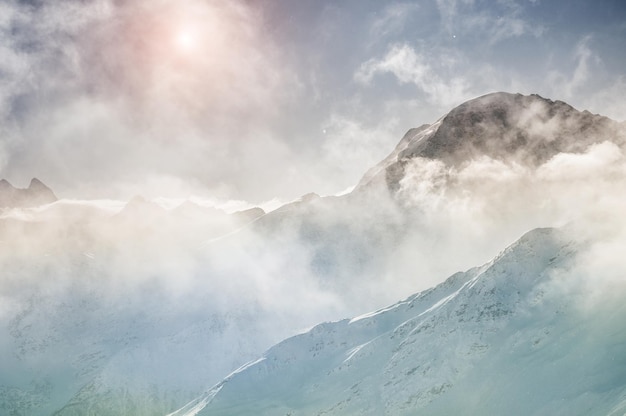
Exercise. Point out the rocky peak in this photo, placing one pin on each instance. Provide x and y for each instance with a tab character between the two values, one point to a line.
36	184
525	129
4	184
36	194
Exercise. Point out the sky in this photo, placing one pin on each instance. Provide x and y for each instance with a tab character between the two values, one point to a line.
257	100
268	100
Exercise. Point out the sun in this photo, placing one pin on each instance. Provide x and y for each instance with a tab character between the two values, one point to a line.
185	40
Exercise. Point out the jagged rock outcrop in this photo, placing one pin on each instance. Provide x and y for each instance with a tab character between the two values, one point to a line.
515	128
36	194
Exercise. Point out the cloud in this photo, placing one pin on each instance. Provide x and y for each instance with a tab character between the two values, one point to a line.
602	160
586	61
4	157
411	67
449	11
495	24
393	19
350	143
97	100
581	74
609	99
241	114
100	93
510	190
451	219
164	279
505	27
475	209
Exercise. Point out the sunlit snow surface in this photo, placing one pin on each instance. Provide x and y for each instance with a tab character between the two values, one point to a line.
113	308
516	336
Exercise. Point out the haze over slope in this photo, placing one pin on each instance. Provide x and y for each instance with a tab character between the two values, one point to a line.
470	183
95	298
518	335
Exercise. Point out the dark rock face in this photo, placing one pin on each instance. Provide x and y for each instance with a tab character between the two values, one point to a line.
36	194
500	125
525	129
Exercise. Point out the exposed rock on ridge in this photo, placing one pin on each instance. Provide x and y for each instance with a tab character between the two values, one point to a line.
36	194
525	129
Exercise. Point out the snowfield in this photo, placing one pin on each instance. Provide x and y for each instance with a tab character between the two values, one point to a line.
510	337
135	308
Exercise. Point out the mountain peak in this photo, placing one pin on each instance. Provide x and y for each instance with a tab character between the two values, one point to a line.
525	129
4	184
36	194
36	183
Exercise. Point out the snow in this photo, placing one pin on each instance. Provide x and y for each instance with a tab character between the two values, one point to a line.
194	407
355	351
479	343
378	312
245	367
103	313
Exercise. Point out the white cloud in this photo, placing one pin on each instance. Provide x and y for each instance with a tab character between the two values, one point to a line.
581	74
411	67
568	86
495	24
402	61
393	19
610	99
350	145
449	12
119	103
476	209
505	27
600	161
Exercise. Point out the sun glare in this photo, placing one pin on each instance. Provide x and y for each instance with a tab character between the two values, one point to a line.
185	40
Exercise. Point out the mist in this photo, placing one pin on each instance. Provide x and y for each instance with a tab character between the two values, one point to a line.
207	109
110	286
262	104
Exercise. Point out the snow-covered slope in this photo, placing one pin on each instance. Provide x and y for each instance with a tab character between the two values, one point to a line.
137	313
470	182
102	313
510	337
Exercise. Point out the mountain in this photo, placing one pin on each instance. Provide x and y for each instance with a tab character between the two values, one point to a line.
421	212
137	313
36	194
525	129
248	215
473	173
509	337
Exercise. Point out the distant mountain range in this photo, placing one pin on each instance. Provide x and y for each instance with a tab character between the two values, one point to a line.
36	194
139	311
